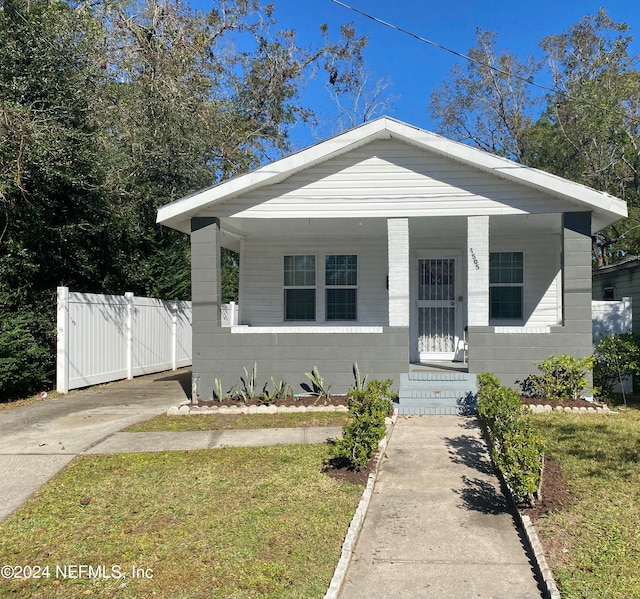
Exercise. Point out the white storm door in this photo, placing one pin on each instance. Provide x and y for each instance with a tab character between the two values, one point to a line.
437	318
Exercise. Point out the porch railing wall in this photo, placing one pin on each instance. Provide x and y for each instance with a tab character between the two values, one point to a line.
104	338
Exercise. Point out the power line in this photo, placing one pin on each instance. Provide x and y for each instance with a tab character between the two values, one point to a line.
527	80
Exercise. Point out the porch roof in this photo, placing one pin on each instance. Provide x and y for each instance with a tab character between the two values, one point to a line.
606	209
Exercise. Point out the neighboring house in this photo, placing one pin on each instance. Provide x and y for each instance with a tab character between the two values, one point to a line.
392	247
617	281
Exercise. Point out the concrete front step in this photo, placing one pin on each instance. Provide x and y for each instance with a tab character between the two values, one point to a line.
436	392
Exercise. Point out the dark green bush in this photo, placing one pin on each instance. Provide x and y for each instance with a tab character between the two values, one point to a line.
368	408
561	377
616	358
516	449
26	353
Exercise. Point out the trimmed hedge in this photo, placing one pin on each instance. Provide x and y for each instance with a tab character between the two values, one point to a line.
516	449
368	408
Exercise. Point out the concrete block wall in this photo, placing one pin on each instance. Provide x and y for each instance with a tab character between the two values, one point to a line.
287	356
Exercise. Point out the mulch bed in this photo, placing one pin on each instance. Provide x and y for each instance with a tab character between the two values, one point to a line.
570	403
344	473
306	400
556	494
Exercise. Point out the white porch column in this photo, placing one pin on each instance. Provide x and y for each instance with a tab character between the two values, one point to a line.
398	246
478	271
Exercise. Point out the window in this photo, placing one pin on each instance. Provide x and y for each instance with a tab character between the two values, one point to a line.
341	283
506	281
300	287
608	293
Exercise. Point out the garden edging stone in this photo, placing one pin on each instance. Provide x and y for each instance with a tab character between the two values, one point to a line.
358	518
186	409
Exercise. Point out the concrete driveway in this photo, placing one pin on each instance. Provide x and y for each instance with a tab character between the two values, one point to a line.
39	439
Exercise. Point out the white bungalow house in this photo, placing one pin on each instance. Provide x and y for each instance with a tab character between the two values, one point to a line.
420	258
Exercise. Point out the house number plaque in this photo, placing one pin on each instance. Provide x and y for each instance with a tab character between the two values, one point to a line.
475	260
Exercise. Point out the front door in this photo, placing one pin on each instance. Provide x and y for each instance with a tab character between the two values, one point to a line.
437	318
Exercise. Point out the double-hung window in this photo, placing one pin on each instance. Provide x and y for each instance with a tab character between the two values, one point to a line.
506	282
300	287
341	286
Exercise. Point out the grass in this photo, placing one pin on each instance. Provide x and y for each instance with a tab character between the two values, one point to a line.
210	422
594	546
234	523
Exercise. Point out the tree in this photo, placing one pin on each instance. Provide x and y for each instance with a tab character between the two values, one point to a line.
587	131
110	109
487	101
590	131
52	216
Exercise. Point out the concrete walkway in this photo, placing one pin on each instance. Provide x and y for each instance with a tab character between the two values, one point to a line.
438	526
168	441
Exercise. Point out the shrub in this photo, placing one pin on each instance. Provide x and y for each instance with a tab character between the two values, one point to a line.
368	408
616	358
562	377
516	448
26	353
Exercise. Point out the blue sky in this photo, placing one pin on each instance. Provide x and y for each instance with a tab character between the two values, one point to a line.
415	67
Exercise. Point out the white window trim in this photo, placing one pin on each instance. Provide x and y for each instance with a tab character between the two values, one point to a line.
327	287
506	322
285	287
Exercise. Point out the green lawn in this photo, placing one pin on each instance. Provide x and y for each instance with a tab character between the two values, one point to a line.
232	523
209	422
594	547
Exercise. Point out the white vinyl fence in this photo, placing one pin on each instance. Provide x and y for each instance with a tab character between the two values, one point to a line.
611	317
104	338
229	314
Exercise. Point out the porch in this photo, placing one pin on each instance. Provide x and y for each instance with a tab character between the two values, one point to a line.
414	295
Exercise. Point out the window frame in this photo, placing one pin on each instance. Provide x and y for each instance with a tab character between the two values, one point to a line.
341	286
508	285
292	286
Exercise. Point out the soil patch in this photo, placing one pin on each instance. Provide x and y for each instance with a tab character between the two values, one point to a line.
556	494
564	403
305	400
342	472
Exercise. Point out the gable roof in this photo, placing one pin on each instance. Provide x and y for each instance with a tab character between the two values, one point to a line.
606	208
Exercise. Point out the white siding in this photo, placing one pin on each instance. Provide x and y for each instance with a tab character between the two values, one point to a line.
390	178
261	295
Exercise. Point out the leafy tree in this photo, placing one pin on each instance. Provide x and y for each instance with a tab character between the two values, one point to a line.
487	101
587	131
591	128
110	109
52	218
